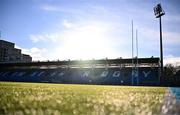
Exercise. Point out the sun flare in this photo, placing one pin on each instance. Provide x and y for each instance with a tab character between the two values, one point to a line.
86	42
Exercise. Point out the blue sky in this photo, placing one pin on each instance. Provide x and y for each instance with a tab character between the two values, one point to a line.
86	29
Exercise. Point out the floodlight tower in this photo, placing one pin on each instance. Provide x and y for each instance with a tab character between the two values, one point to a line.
158	11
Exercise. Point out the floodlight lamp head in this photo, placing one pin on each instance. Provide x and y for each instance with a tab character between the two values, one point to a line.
158	11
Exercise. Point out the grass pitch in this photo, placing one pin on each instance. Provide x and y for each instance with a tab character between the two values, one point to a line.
67	99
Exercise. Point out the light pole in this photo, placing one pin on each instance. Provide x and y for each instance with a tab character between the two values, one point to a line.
158	11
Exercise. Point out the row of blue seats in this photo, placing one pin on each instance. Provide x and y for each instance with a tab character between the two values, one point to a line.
82	75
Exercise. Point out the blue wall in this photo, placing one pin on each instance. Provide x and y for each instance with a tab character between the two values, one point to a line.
114	76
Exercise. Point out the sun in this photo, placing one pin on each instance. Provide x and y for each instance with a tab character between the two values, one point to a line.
87	42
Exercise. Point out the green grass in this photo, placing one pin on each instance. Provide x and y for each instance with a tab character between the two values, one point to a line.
63	99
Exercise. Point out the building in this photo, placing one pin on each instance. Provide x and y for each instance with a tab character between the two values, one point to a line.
26	58
8	53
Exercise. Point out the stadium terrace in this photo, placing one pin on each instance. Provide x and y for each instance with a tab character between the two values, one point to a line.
107	71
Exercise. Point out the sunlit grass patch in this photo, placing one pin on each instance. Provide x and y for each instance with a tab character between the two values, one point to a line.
38	98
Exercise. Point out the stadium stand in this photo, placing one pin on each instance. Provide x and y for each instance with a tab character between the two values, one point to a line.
118	72
111	72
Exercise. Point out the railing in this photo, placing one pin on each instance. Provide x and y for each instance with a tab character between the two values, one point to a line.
143	62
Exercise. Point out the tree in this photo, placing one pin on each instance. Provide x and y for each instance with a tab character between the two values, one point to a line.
170	70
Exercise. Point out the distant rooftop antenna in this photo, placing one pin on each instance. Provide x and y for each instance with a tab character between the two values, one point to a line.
137	66
132	43
132	56
135	72
137	45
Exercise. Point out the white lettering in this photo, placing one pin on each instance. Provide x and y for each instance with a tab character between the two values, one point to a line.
135	73
61	74
86	74
146	73
104	74
116	74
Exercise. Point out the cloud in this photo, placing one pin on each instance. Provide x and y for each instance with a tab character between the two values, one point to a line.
172	60
53	37
63	9
172	18
67	24
81	41
97	23
168	37
171	38
35	53
49	8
